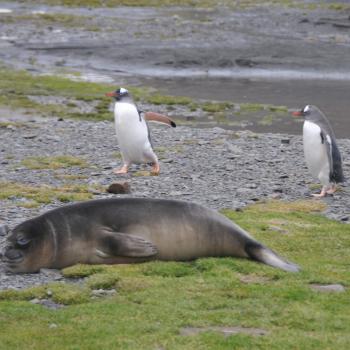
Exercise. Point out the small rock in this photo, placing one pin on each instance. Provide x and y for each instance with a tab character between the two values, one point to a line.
226	331
168	160
278	190
4	229
30	136
53	325
119	188
50	304
337	288
245	62
35	301
252	185
98	293
278	229
52	273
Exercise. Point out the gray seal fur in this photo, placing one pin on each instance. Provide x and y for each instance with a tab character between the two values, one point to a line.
130	230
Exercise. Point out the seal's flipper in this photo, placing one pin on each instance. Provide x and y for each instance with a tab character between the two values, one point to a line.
125	245
257	251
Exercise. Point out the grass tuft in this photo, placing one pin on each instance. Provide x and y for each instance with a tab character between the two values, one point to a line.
37	195
102	281
57	162
81	270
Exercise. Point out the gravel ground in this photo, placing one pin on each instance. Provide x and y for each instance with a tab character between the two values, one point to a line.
215	167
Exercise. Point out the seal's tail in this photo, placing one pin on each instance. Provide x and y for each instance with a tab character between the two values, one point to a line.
265	255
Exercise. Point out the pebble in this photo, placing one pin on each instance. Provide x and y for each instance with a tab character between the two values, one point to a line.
337	288
99	293
119	188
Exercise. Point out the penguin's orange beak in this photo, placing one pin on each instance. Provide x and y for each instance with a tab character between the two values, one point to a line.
297	114
111	94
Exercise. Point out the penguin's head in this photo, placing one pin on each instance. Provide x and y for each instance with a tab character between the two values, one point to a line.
309	112
118	94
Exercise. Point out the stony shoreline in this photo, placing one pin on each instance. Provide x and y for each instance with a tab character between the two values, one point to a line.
214	167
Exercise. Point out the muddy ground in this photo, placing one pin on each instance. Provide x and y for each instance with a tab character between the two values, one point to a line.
288	56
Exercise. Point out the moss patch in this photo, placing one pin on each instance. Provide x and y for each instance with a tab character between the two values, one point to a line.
56	162
103	281
81	270
61	293
12	124
47	19
169	100
37	195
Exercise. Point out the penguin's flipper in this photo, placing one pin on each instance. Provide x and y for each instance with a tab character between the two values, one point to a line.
334	158
159	118
327	141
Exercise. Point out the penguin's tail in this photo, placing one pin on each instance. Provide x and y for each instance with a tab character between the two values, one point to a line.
258	252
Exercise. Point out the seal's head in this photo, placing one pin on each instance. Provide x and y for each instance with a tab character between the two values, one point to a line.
25	249
119	94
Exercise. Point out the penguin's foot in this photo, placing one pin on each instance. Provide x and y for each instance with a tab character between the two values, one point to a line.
322	194
155	169
122	170
332	189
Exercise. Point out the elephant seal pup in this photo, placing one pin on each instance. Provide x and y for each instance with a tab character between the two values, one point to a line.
130	230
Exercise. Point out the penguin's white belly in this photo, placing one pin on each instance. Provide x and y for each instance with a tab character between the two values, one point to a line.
132	134
315	152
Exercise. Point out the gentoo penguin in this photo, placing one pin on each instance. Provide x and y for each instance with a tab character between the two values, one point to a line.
320	149
133	133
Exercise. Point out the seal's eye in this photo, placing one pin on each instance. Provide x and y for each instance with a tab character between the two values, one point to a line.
22	241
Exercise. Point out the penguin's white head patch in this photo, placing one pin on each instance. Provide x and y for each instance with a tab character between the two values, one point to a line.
307	109
123	91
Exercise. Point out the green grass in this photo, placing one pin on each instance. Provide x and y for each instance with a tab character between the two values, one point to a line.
46	19
155	300
37	195
158	99
57	162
